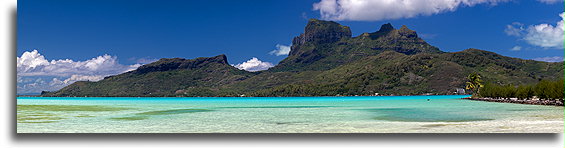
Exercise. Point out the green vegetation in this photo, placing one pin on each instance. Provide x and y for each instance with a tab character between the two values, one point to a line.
474	83
166	77
545	90
327	61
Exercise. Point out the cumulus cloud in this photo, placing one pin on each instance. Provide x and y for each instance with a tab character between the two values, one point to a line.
516	48
75	78
516	29
34	64
32	85
550	59
542	35
281	50
374	10
35	73
56	83
36	84
254	65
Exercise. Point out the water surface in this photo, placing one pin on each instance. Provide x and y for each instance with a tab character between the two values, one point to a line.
394	114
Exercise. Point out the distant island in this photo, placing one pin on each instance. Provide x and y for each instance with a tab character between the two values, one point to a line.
326	60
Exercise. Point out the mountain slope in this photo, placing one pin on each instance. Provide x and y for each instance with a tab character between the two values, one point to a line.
325	45
325	61
394	73
166	77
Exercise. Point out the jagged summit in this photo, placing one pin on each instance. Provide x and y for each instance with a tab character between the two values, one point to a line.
404	31
326	61
327	44
403	40
318	31
385	29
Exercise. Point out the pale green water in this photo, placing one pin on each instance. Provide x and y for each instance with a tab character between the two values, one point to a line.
402	114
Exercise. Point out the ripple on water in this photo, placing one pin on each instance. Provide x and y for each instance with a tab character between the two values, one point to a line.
174	111
93	108
145	115
55	113
420	115
280	107
438	125
130	118
37	118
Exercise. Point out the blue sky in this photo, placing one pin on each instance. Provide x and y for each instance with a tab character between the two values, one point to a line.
134	32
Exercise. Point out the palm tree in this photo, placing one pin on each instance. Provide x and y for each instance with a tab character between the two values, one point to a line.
474	83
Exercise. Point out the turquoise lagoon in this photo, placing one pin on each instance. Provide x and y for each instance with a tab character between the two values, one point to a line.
382	114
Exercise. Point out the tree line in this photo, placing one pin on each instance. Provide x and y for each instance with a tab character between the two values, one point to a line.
544	89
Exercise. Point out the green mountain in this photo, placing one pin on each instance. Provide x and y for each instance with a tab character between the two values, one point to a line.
326	61
166	77
325	45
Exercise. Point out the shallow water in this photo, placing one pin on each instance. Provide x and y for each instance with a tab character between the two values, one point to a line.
398	114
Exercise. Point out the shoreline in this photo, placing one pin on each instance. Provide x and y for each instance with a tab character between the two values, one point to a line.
226	96
517	101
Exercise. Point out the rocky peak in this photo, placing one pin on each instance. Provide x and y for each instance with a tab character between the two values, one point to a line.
401	40
318	31
222	58
385	29
166	64
404	31
388	29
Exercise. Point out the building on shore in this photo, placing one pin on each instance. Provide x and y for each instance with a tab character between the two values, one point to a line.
459	91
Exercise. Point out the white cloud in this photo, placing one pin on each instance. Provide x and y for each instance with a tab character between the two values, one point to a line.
516	48
545	35
281	50
75	78
33	68
516	29
549	1
36	84
542	35
550	59
34	64
254	65
374	10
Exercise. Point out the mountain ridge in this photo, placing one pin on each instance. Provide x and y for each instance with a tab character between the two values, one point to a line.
326	60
